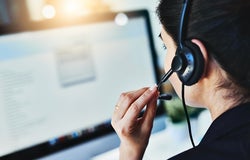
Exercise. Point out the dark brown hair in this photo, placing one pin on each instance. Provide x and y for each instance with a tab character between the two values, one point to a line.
224	28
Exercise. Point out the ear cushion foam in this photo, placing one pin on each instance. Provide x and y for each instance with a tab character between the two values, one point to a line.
198	63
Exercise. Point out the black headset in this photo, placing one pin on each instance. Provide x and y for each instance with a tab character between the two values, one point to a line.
188	62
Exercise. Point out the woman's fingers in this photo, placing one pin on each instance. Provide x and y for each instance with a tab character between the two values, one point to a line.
139	103
125	100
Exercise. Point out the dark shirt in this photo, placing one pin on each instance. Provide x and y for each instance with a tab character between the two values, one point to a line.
228	138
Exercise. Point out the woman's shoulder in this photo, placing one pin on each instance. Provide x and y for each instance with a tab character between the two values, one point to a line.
228	137
234	123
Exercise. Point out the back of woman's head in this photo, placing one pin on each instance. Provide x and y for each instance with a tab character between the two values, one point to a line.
224	28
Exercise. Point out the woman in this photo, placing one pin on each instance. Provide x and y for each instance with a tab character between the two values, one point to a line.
221	31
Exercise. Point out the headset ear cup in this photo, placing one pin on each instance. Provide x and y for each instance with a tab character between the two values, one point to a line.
198	67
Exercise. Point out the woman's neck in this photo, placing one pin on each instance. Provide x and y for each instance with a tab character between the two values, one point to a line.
217	104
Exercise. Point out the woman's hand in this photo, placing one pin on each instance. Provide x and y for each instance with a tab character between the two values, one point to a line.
134	131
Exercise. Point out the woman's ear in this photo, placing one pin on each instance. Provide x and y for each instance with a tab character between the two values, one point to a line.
204	53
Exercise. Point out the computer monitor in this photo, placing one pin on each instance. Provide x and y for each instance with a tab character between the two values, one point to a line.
60	80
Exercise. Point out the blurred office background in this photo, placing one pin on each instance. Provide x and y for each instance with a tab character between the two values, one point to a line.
13	10
20	11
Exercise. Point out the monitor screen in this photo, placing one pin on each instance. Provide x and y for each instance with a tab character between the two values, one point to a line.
59	81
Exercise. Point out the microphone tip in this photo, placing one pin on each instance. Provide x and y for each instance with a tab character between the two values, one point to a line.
165	96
